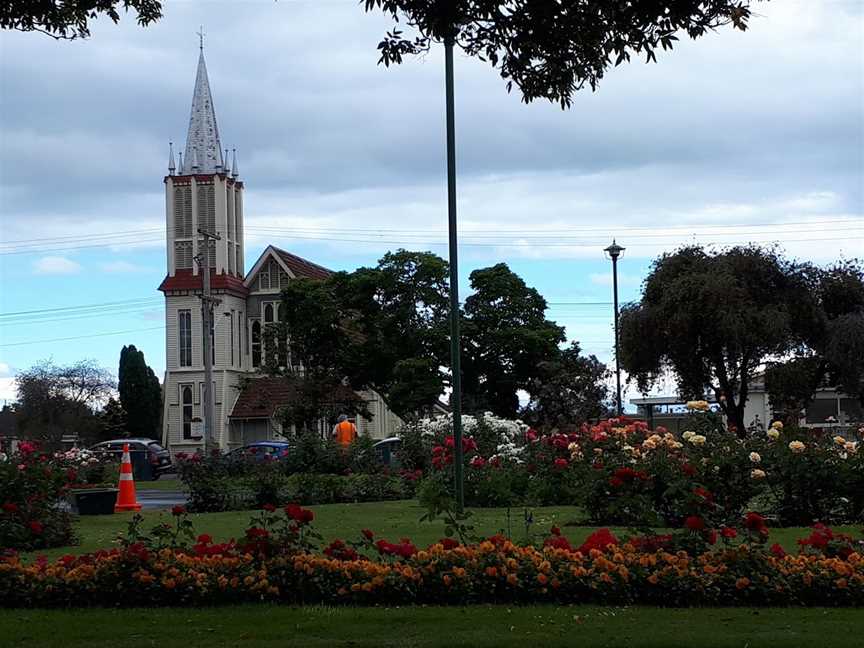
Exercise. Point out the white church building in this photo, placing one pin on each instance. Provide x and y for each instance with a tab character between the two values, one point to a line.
203	190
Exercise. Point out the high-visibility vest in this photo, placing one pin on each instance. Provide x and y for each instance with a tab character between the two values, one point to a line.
345	432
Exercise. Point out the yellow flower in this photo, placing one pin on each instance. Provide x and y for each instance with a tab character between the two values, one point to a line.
688	435
839	440
797	447
697	439
698	405
773	434
777	425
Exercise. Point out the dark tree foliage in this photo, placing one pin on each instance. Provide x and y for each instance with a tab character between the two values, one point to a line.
57	401
112	421
714	318
567	390
382	328
319	396
834	351
140	394
550	49
505	338
70	19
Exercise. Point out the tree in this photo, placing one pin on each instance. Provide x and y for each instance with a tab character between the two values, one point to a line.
507	336
318	397
140	393
833	353
70	19
567	390
381	328
714	318
550	49
113	421
57	401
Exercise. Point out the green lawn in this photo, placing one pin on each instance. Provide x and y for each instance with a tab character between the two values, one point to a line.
393	520
493	626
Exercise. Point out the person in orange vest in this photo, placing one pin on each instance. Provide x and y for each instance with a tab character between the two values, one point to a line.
345	432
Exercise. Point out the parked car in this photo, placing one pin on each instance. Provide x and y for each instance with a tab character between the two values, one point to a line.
149	459
387	451
261	450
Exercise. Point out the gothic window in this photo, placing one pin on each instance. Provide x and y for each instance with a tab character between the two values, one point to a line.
188	410
184	337
256	343
182	212
268	313
206	208
264	278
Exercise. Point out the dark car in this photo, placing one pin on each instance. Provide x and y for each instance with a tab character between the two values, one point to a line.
261	451
149	459
387	451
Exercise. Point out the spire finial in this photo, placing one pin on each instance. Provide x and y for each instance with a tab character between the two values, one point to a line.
180	155
200	33
171	167
227	164
234	171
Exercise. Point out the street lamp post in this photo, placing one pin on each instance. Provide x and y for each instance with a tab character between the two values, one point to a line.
614	251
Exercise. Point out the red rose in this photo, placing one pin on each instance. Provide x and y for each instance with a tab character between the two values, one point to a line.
368	534
711	537
777	550
448	543
728	532
616	482
560	463
688	470
556	531
269	508
10	507
600	539
36	527
205	538
755	523
306	516
694	523
178	510
704	494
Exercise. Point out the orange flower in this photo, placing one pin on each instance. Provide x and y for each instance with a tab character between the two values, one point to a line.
491	572
447	580
512	579
841	583
541	578
653	578
742	583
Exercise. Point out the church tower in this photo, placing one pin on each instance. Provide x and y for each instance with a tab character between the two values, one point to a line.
203	193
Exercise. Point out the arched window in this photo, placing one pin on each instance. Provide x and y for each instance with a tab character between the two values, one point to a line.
186	399
268	313
256	343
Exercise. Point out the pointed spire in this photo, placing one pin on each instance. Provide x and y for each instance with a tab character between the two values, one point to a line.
202	141
171	167
180	165
235	171
227	164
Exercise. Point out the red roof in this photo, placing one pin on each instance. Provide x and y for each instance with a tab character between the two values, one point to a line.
185	280
301	267
262	397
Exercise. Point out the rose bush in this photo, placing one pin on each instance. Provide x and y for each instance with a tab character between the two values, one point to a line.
32	484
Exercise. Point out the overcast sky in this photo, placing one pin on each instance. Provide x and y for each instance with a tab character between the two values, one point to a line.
737	137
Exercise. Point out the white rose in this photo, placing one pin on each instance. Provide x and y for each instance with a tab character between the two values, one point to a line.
754	457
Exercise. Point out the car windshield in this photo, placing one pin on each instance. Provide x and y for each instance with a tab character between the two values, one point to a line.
155	447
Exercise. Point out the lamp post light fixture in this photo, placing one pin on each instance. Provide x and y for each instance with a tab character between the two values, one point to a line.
613	252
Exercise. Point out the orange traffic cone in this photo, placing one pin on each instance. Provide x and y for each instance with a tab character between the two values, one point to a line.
126	499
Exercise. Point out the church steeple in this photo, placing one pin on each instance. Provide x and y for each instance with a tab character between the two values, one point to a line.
202	142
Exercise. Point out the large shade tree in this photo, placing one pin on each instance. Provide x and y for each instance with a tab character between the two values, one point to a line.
140	393
507	337
714	319
833	353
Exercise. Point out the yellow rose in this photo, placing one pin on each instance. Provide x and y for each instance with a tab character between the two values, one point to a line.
777	425
797	447
773	434
839	440
699	405
697	439
687	435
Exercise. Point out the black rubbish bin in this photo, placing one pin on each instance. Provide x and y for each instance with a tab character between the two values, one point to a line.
142	470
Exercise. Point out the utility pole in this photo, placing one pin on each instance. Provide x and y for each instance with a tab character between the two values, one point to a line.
614	251
207	304
455	350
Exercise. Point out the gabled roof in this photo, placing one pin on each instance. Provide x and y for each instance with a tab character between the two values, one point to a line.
262	397
295	266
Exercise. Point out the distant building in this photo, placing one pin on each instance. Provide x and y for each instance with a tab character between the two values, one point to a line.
829	409
203	190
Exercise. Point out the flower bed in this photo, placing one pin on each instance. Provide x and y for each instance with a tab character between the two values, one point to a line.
277	561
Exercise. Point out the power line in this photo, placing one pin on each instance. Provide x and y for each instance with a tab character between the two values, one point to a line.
81	306
81	337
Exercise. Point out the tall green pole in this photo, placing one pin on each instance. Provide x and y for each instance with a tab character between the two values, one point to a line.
456	397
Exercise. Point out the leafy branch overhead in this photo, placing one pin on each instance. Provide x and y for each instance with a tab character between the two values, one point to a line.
70	19
550	49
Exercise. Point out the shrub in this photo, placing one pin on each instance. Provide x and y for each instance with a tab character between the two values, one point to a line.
32	484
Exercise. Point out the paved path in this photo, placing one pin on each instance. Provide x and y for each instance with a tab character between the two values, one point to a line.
159	499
